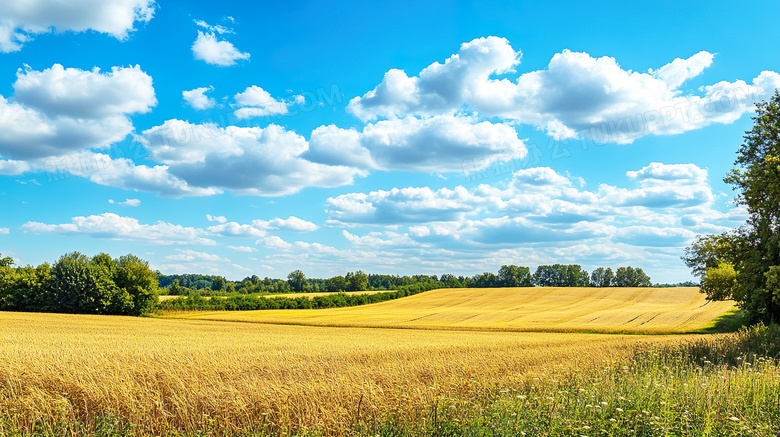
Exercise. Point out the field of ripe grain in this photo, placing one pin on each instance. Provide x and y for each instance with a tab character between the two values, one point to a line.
181	376
541	309
296	295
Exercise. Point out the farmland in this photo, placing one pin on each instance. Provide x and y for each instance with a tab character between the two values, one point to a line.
85	374
543	309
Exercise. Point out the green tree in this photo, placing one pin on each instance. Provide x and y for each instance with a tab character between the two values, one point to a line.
486	280
451	281
547	276
175	288
357	281
7	287
631	277
708	251
74	284
6	261
641	279
297	281
513	276
139	282
109	298
719	282
336	284
753	250
217	283
574	276
602	277
561	275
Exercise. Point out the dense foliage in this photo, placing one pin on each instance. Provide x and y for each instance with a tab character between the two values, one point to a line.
556	275
79	284
744	264
240	302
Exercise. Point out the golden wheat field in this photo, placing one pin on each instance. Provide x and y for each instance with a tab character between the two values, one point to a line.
168	375
545	309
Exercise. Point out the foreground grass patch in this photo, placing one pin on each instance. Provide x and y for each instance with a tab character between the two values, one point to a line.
724	386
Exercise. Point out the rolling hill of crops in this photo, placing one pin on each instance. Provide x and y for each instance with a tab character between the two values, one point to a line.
630	310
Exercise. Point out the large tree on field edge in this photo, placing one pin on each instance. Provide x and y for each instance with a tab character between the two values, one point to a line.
744	264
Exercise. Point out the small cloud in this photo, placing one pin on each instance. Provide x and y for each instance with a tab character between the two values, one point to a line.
197	98
257	102
127	202
289	224
242	248
4	230
218	219
233	229
273	242
192	255
219	29
213	51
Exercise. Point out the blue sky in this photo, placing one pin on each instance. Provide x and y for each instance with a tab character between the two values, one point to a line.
413	137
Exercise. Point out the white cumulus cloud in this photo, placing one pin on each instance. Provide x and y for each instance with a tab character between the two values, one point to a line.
577	95
198	99
61	110
233	229
257	102
116	227
244	160
214	51
431	144
291	223
21	21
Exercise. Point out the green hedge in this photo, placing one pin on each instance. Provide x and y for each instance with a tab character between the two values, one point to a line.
240	302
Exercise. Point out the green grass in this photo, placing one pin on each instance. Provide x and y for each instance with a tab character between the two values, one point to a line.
731	321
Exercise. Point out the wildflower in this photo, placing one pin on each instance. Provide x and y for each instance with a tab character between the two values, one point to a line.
734	419
619	410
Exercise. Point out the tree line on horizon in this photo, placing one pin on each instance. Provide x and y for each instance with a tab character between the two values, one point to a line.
126	285
555	275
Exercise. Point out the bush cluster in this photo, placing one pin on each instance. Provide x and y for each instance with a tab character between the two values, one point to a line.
81	285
